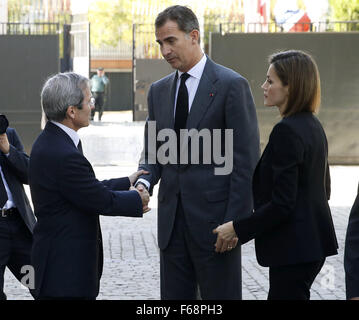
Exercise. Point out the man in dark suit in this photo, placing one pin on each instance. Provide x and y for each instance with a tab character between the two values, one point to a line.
351	253
192	199
67	251
16	219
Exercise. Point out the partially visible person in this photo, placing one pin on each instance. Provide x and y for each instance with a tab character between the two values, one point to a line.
17	219
99	85
67	252
291	221
351	253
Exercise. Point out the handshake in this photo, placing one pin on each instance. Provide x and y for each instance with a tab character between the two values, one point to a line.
142	191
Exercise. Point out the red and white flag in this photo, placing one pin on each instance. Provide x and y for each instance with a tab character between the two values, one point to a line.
263	8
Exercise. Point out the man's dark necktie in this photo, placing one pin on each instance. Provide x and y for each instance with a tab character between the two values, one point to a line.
181	110
3	194
79	146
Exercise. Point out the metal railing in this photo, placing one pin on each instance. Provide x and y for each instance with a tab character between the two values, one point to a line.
122	52
272	27
145	45
36	28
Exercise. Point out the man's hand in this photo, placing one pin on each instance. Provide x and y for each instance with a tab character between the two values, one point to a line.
134	176
226	237
4	143
145	197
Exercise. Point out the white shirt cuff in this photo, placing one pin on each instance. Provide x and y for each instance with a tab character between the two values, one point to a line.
145	182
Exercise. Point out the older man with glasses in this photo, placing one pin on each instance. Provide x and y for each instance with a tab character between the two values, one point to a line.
67	253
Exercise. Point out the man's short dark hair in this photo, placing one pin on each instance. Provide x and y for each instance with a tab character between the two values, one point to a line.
100	68
183	16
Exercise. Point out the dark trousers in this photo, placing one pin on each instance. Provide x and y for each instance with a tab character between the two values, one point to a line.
99	103
15	248
189	272
293	282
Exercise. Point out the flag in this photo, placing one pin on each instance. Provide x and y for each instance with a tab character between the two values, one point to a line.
302	25
294	21
262	9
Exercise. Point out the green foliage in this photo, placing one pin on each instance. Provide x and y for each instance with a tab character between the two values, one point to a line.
34	11
110	22
344	10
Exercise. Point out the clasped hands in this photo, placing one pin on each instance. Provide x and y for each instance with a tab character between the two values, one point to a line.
226	237
142	191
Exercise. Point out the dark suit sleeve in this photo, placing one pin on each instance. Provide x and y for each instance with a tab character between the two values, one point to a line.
288	153
80	187
117	184
351	253
148	159
18	160
241	117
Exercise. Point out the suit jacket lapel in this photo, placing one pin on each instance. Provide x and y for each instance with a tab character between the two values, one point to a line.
205	94
169	101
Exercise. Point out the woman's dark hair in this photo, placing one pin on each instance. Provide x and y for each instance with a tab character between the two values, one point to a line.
298	70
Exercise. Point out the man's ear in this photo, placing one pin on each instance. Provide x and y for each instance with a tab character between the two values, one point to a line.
194	34
71	112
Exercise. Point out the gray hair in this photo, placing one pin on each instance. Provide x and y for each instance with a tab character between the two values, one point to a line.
61	91
183	16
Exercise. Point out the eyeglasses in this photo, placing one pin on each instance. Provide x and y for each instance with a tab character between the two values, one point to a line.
92	101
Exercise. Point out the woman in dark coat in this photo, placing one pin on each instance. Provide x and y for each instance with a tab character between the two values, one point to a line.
291	221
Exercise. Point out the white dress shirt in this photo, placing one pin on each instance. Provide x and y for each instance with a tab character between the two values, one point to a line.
192	85
10	202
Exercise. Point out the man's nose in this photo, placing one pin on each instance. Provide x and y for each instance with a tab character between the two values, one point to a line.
166	50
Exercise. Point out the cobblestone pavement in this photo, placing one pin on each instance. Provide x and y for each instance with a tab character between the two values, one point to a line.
131	257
